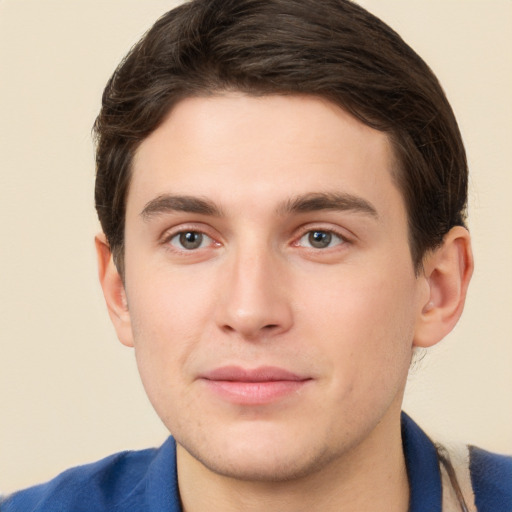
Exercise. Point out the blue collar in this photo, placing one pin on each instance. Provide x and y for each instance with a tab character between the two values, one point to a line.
422	468
420	456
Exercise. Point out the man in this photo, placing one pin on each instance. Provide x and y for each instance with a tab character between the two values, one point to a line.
282	191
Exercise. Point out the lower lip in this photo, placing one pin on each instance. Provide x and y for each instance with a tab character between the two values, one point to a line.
255	393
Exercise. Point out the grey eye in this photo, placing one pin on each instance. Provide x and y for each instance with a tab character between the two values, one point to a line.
318	239
190	240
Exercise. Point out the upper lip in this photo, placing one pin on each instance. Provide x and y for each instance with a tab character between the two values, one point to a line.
261	374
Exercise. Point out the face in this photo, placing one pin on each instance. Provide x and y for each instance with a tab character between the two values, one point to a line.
271	294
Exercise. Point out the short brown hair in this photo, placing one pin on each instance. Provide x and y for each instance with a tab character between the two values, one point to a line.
333	49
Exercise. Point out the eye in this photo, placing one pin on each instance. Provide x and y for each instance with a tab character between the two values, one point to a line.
320	239
190	240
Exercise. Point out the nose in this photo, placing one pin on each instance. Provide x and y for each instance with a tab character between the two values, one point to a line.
253	298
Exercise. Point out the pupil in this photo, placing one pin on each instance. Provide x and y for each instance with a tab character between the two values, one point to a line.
320	239
191	239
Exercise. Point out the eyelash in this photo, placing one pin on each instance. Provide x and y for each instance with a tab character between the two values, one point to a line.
342	239
168	238
331	233
184	233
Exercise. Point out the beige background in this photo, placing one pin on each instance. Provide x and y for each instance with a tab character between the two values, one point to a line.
69	392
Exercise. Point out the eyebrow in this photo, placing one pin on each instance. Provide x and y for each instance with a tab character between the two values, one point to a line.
311	202
168	203
328	201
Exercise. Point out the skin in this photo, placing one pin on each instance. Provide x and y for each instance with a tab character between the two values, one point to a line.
259	291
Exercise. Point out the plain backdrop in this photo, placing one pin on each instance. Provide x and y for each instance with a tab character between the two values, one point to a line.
69	392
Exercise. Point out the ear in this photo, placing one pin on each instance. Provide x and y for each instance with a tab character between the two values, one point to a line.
113	291
447	271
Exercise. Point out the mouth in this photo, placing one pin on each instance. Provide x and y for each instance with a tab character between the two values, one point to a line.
257	386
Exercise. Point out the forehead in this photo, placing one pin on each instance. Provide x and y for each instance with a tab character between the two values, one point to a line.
252	147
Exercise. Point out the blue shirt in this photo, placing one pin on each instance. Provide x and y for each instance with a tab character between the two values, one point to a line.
146	481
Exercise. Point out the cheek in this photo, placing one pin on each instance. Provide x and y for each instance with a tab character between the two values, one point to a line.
168	315
365	325
168	303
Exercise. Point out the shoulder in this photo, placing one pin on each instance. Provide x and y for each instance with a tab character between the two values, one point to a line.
444	474
491	477
101	486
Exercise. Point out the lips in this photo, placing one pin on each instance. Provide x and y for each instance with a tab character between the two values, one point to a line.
262	374
253	386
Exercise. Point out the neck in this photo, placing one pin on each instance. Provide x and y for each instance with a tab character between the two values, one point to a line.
371	476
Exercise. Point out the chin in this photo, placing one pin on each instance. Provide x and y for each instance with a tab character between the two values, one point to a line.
273	469
264	460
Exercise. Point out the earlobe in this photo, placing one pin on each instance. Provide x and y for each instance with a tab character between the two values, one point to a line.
113	291
447	271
